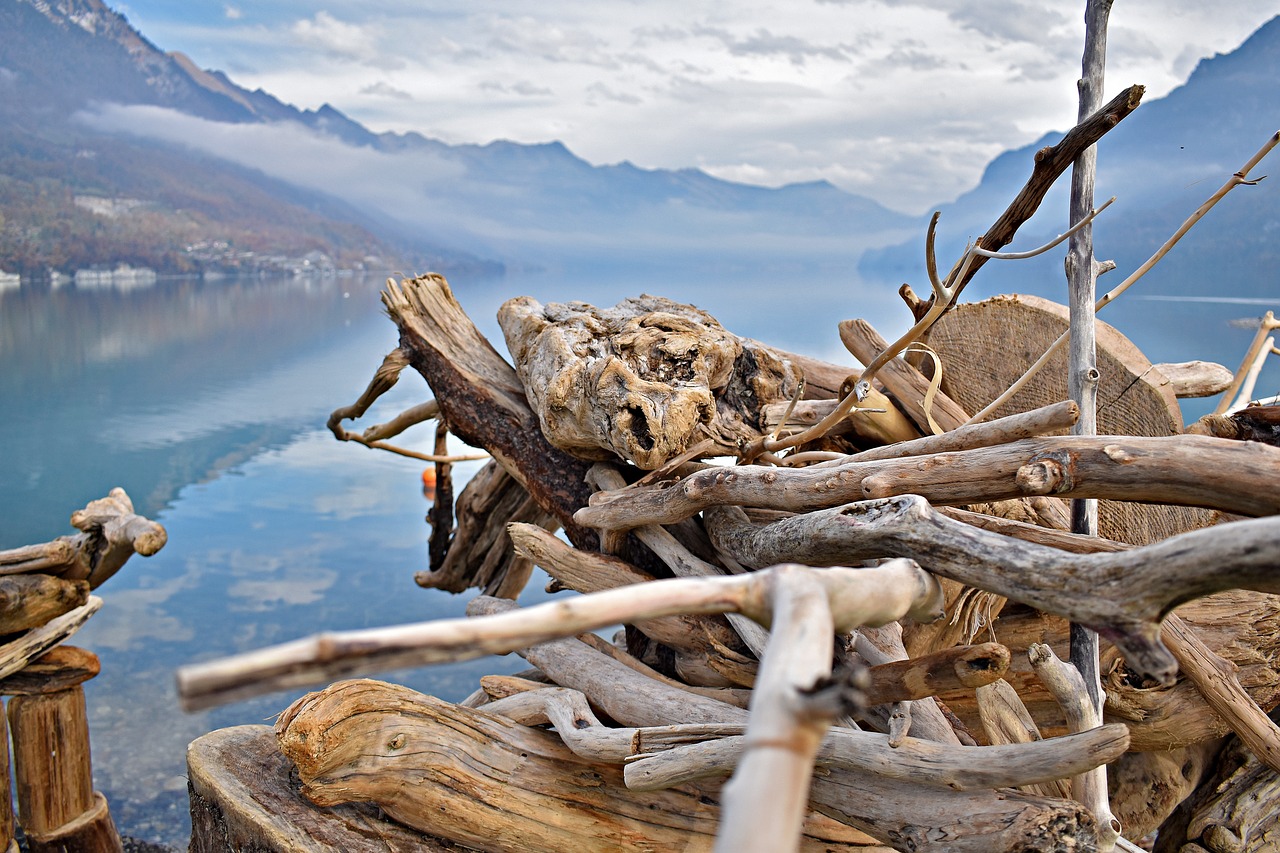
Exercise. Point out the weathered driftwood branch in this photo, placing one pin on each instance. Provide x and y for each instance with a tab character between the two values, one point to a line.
1266	325
949	669
1182	469
920	717
696	636
1050	162
111	533
764	802
1195	378
897	585
1067	685
1122	595
678	558
1215	678
924	762
900	379
895	812
17	653
368	741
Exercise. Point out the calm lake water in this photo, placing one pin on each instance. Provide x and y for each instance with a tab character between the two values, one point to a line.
207	403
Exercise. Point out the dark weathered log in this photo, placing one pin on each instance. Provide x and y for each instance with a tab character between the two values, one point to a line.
1183	469
28	601
950	669
482	398
1253	423
1121	595
374	742
480	554
1235	810
59	668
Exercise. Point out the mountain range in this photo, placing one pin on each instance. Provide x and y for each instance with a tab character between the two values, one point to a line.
114	151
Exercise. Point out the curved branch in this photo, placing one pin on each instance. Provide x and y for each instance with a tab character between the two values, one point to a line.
1122	595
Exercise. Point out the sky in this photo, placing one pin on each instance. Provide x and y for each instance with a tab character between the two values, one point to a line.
904	101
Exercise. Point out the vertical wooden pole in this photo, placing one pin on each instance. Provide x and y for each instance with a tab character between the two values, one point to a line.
1082	380
1082	374
8	840
57	807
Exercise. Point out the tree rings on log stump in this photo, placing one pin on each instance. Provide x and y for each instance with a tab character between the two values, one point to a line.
987	346
644	380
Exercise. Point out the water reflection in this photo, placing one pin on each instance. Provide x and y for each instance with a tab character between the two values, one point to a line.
206	402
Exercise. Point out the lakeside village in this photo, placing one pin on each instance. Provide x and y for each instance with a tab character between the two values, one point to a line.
217	259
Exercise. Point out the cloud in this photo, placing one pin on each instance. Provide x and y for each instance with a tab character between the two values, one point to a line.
383	89
338	38
232	13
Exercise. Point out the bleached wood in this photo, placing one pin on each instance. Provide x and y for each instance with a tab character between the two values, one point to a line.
764	802
682	563
857	596
696	635
915	760
1122	595
1190	470
1067	685
975	821
1195	378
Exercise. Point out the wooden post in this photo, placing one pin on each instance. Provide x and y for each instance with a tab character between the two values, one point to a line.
57	806
7	838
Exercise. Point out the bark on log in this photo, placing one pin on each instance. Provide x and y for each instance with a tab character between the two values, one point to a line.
1186	469
19	652
480	554
1121	595
436	767
961	667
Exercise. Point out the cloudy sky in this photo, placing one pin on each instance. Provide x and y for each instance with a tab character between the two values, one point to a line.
901	100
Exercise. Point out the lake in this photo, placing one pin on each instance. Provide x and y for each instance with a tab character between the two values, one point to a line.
207	401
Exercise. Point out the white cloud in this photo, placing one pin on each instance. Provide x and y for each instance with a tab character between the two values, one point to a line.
836	89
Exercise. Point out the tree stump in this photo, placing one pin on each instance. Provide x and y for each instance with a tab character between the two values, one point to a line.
58	808
1134	398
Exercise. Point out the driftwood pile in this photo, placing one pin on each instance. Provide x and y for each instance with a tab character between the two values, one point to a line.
45	597
914	701
849	593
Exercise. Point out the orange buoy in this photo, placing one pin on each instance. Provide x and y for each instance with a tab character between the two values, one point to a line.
429	483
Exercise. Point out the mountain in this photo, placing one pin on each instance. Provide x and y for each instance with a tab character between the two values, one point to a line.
523	204
1161	163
